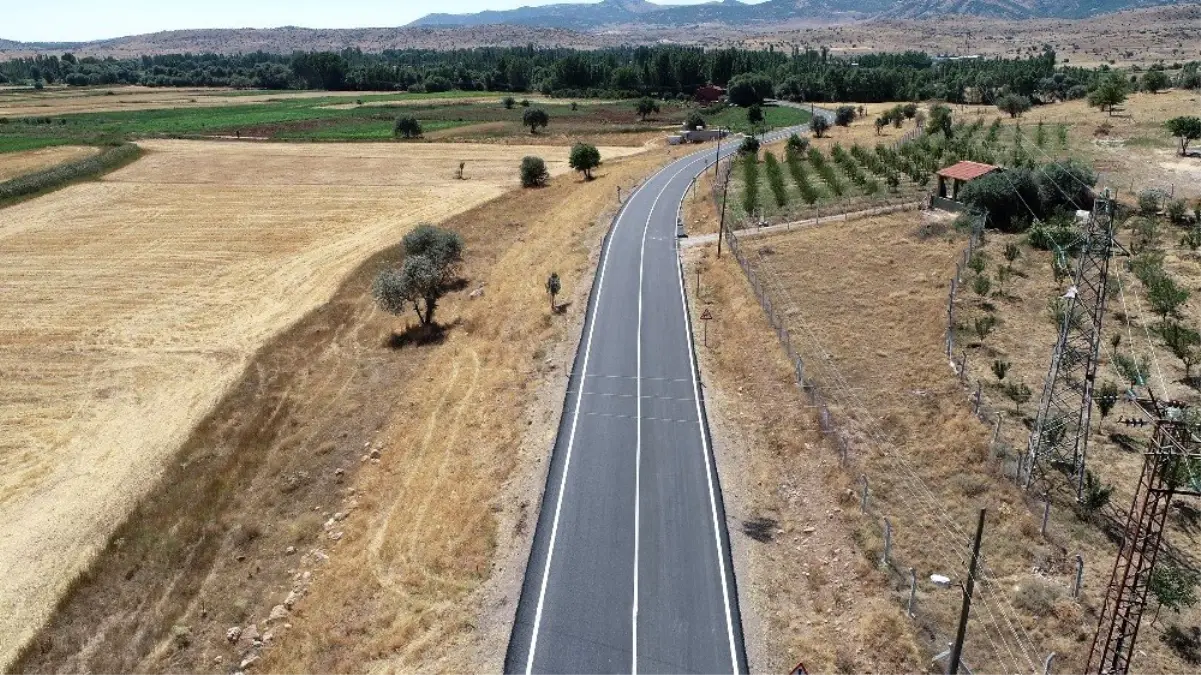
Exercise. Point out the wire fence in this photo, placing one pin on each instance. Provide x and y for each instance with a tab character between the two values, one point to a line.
840	417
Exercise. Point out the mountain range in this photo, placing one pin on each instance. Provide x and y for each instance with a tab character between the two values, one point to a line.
608	14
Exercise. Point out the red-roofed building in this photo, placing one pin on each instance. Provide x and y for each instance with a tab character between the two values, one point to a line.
709	94
961	174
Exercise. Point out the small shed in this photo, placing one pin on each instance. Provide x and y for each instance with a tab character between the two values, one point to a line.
959	175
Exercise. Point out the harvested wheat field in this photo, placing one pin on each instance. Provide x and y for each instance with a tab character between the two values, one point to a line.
15	164
65	101
129	305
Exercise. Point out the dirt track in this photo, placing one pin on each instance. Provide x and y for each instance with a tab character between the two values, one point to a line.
128	307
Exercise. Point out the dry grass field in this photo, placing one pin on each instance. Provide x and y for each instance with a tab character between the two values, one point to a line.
131	304
69	100
15	164
865	302
1137	37
1131	149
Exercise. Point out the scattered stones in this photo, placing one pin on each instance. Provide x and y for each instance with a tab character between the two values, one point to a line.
233	633
809	530
290	550
375	453
268	637
250	633
339	471
335	536
240	557
291	600
477	293
278	613
339	516
248	661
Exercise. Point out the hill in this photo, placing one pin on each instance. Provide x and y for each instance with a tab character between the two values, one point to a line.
612	13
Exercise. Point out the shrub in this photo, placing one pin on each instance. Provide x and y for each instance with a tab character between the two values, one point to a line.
1166	296
775	179
533	172
844	115
750	146
799	175
645	107
909	110
1037	596
754	115
1096	495
509	102
1135	371
981	285
984	325
750	193
1000	368
694	121
795	143
1177	211
1149	201
1018	392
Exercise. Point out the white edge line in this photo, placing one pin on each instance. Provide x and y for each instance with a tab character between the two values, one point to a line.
709	469
554	531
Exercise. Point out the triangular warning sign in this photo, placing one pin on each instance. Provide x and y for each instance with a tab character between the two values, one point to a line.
706	315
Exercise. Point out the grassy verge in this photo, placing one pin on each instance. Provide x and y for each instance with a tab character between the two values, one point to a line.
41	182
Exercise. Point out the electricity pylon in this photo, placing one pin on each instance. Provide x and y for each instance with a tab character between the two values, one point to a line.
1060	436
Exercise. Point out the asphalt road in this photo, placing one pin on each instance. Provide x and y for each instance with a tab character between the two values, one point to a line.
630	568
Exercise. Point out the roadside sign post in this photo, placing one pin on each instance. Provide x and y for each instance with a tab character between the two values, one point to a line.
706	317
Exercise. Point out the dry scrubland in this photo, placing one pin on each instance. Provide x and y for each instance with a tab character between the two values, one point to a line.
130	305
68	100
15	164
1137	37
866	304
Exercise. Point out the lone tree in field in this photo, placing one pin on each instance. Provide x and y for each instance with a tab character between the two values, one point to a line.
533	172
1187	129
1013	104
645	107
754	115
407	126
431	266
880	124
534	118
1108	94
819	125
844	115
584	158
694	121
553	286
909	110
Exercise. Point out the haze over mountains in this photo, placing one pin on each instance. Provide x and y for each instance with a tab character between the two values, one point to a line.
1166	30
614	13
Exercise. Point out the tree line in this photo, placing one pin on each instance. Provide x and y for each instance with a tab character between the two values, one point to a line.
661	71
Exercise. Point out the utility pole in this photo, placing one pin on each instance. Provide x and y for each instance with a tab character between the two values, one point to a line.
961	634
721	226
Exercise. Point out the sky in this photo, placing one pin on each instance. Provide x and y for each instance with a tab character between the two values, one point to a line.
84	20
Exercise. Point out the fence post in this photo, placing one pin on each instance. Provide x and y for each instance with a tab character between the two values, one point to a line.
1079	577
1046	517
887	543
963	367
996	432
863	500
976	402
912	591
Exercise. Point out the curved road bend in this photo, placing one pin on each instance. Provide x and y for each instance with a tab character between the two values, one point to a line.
630	567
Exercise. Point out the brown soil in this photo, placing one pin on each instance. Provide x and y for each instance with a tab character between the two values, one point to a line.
403	478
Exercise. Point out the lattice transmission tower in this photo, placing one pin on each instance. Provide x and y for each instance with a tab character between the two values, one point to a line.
1059	439
1170	468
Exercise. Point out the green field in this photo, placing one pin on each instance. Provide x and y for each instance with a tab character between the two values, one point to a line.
317	119
775	117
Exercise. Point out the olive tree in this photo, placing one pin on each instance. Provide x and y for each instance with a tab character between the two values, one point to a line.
1013	104
430	268
645	106
584	158
844	115
1187	129
819	125
534	118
